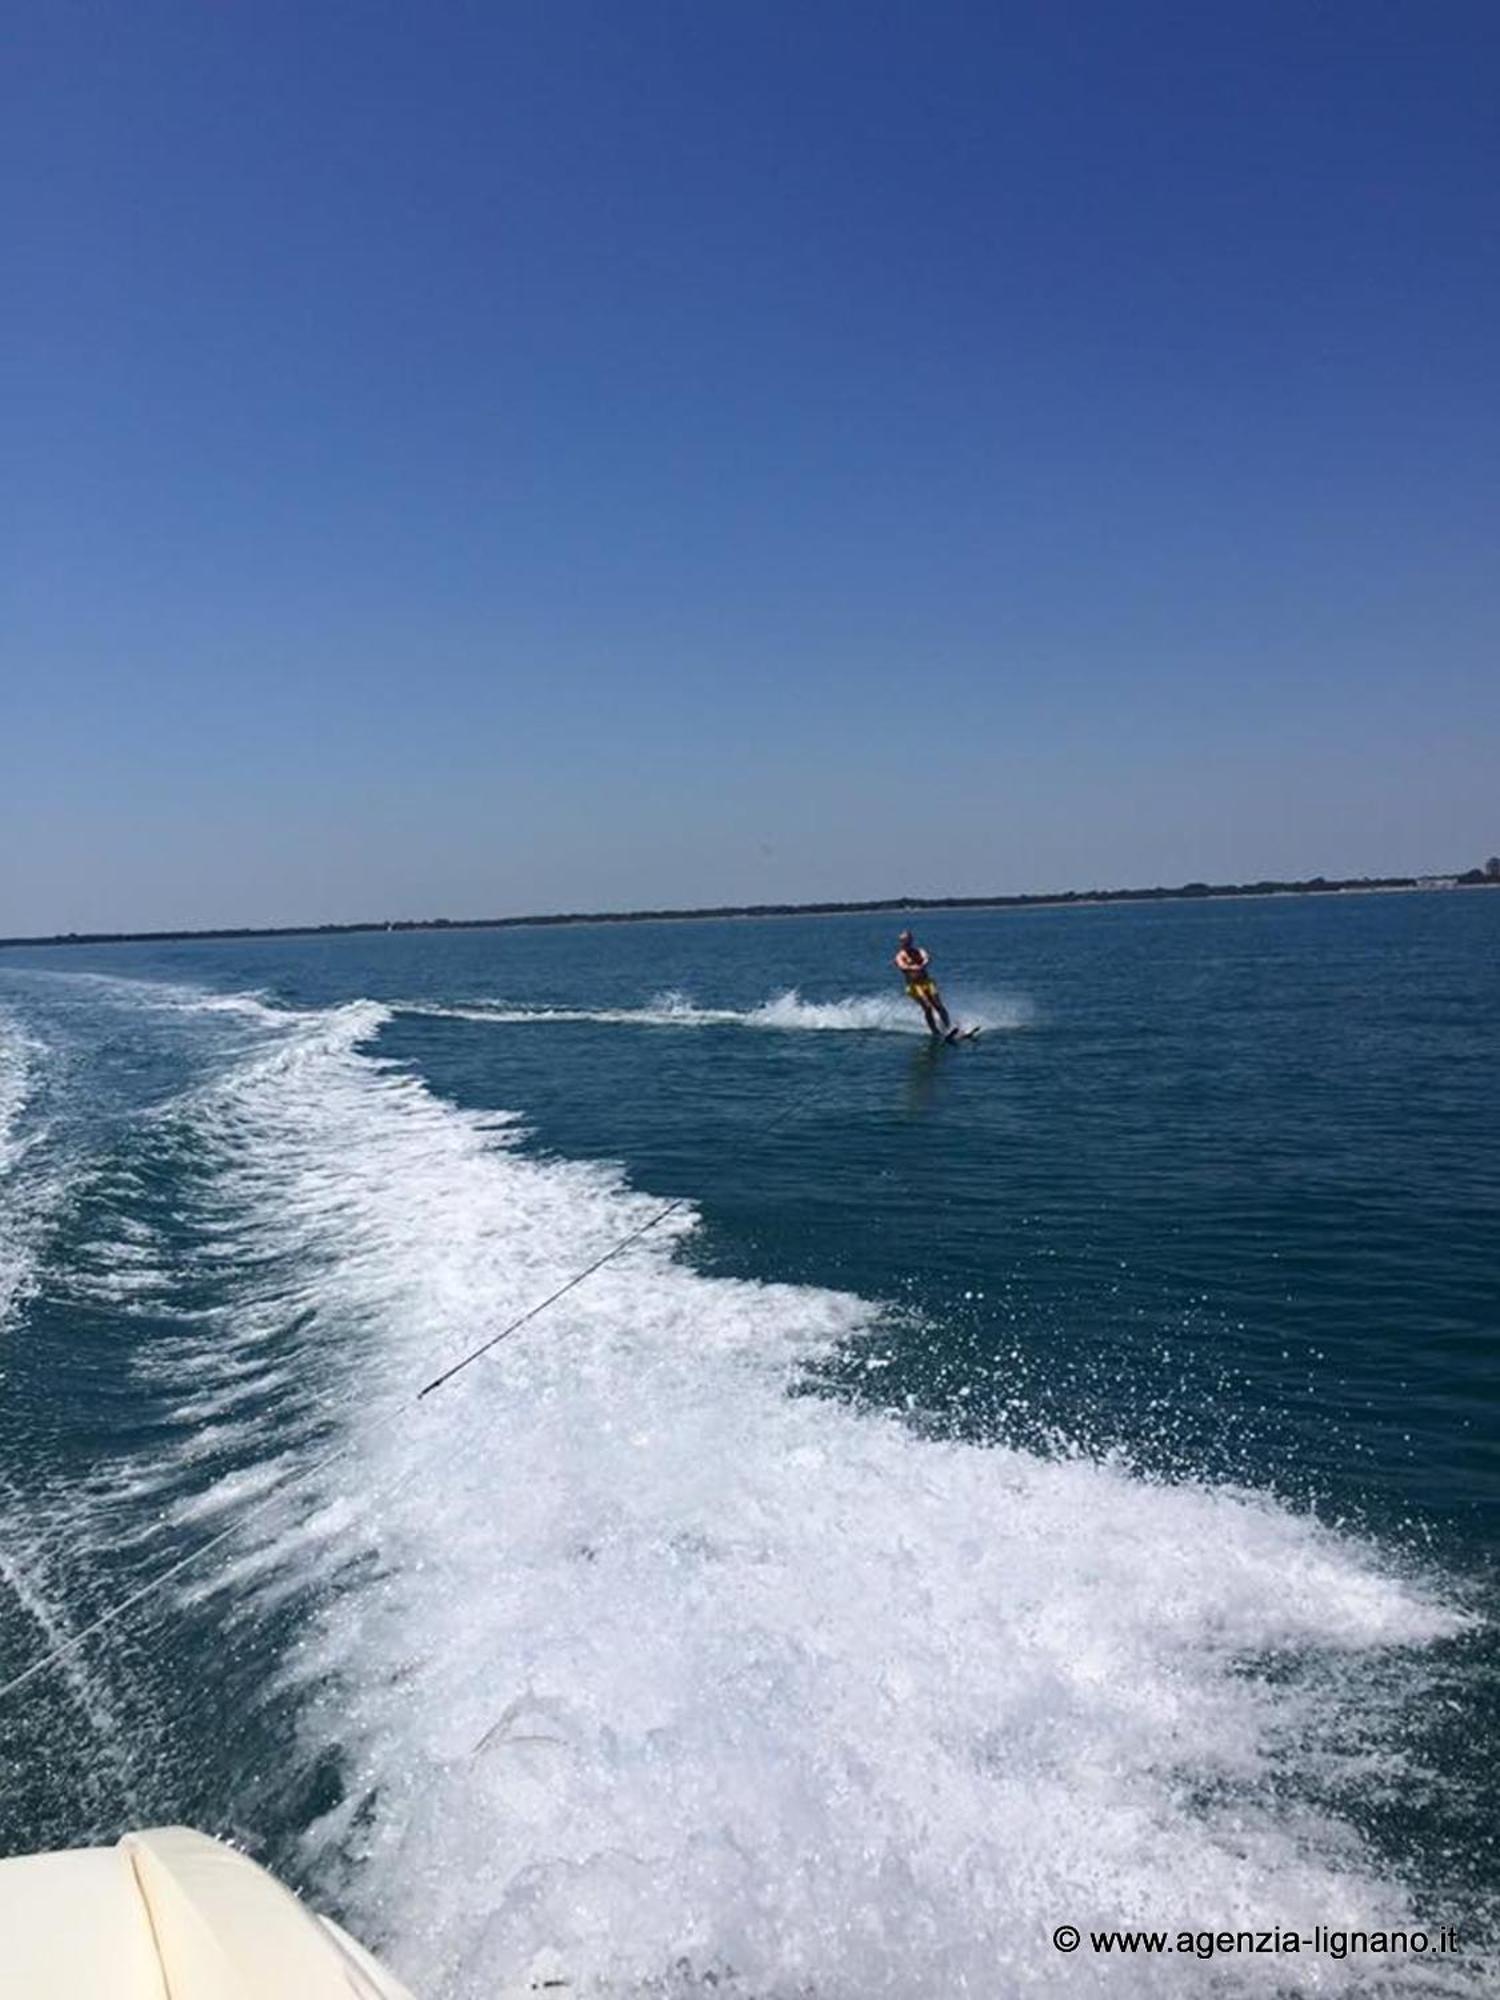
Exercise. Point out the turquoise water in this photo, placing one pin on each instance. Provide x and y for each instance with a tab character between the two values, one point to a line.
1053	1479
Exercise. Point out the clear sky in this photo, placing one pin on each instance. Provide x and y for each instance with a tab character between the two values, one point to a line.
473	458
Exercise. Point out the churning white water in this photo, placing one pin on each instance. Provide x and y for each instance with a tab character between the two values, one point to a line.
872	1013
650	1672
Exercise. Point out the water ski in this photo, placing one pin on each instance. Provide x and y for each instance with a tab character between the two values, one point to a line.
961	1035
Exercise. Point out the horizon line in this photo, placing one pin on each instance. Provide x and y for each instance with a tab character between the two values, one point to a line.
1050	899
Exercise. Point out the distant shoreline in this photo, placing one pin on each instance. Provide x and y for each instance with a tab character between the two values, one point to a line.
1316	885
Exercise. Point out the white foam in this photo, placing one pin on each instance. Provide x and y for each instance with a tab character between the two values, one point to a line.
644	1668
85	1684
787	1012
16	1052
887	1013
23	1199
172	996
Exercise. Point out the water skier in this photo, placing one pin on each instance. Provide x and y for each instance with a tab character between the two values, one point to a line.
913	963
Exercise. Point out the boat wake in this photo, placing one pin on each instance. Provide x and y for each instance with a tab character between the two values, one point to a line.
787	1012
24	1201
639	1672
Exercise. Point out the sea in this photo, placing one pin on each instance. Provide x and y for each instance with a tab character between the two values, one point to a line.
874	1505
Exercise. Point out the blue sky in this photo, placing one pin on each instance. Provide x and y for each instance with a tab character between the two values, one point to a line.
467	459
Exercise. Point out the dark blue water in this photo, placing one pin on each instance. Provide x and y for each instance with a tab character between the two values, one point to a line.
1054	1478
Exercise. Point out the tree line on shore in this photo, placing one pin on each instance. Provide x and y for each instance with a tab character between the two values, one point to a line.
1487	876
